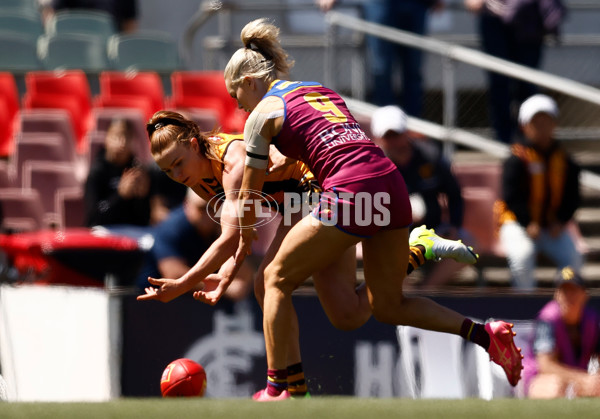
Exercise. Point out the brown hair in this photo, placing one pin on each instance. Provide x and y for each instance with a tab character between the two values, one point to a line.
167	127
261	57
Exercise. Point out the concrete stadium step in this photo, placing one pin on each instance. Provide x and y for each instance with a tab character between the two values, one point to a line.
588	219
500	276
593	244
590	197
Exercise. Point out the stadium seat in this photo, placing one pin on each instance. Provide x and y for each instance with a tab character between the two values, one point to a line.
479	219
67	90
46	178
141	104
18	53
97	23
7	138
480	175
71	83
41	146
25	23
144	51
70	207
5	176
9	91
119	87
103	118
9	96
49	121
206	119
19	5
206	90
22	210
96	141
73	51
68	103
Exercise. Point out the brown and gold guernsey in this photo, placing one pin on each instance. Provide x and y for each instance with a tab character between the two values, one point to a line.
293	178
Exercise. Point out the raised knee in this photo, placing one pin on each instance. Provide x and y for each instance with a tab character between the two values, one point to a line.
387	311
273	279
347	321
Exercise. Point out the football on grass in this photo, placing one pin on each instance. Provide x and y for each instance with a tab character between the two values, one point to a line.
183	378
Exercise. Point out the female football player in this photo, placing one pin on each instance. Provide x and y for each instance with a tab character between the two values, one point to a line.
364	200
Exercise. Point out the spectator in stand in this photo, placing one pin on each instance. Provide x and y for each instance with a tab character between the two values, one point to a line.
407	15
124	12
119	190
540	194
181	240
514	31
567	336
428	178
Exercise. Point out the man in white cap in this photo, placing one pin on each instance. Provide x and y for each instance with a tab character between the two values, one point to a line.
540	194
428	177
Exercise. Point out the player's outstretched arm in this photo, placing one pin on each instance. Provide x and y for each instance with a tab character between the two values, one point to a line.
164	290
215	285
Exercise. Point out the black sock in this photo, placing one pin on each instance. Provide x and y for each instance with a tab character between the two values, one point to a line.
476	333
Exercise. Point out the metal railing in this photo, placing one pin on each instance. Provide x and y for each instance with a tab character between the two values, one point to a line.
451	53
449	133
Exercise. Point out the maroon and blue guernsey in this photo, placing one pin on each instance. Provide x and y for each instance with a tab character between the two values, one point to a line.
320	131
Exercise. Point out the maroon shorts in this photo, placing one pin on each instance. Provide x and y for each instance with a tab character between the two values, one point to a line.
364	207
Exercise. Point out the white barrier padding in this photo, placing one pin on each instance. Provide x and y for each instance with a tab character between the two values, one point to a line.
59	343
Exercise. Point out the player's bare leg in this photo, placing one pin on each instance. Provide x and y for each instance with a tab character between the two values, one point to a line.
294	356
385	259
345	304
389	305
309	247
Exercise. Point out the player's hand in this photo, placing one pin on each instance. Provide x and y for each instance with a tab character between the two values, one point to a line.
168	289
278	161
212	289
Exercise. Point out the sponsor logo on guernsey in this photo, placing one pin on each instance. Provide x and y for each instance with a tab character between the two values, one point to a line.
342	133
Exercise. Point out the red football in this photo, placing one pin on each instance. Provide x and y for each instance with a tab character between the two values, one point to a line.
183	378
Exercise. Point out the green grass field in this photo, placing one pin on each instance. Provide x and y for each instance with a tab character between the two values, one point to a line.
317	407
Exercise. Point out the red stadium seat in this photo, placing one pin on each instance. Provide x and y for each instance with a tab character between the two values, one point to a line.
206	119
147	84
70	207
67	90
139	103
46	178
49	121
22	210
6	180
40	146
206	90
96	141
479	219
9	110
69	83
103	117
479	175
